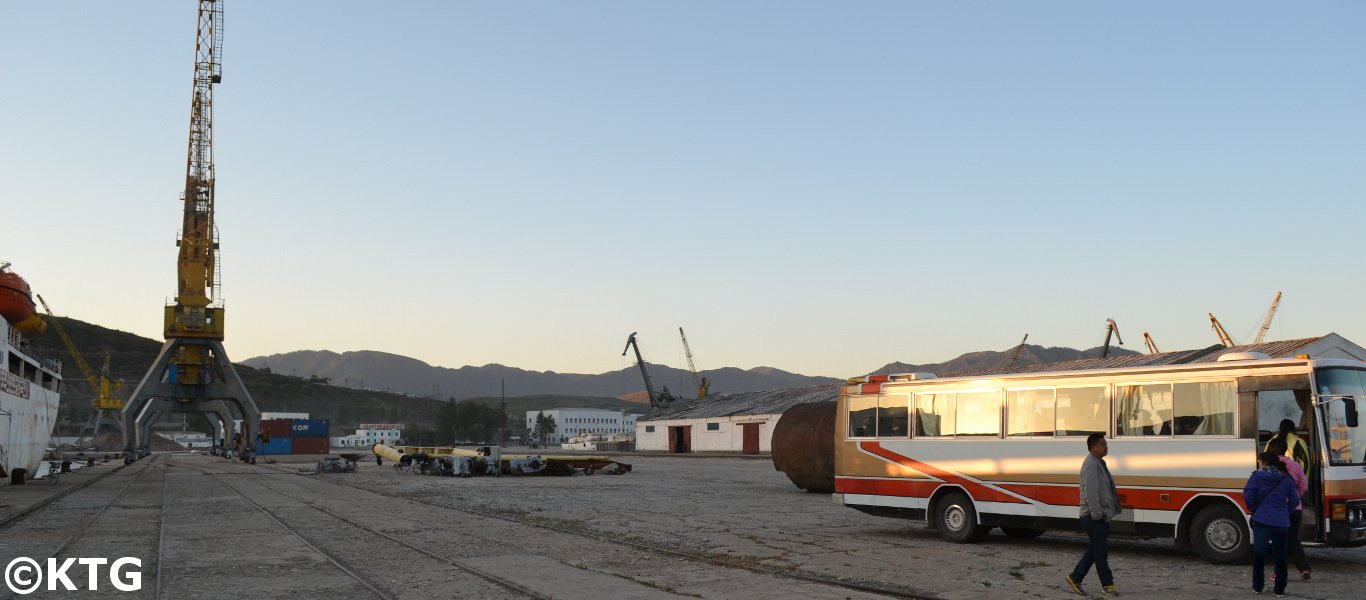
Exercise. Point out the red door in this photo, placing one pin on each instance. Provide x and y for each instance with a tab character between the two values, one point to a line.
751	437
680	439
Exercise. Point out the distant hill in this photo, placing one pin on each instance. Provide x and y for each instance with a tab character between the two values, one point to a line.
333	386
383	371
972	361
130	356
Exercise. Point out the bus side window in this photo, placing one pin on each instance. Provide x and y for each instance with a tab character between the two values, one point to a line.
1204	408
1143	410
862	416
1082	411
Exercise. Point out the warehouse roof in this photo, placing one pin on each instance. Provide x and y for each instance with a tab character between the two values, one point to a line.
766	402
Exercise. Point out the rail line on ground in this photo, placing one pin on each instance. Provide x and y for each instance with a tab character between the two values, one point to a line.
91	520
693	556
58	496
337	561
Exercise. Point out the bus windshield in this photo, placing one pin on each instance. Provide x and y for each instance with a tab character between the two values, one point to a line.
1342	391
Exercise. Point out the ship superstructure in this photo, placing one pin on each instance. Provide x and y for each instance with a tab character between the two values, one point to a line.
30	385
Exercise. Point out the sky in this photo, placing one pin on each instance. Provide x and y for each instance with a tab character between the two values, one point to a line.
818	187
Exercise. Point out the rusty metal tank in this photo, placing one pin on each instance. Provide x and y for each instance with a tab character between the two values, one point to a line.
804	446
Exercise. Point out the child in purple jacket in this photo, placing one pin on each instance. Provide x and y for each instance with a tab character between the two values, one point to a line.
1271	496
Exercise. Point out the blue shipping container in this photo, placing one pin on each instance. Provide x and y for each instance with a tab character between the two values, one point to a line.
308	428
277	445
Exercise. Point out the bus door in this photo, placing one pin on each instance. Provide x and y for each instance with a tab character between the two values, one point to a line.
1276	398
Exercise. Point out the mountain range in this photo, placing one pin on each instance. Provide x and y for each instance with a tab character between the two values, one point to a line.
368	369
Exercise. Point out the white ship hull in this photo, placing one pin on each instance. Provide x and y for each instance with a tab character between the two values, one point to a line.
29	397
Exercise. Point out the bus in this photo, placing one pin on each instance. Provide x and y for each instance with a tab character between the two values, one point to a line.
970	454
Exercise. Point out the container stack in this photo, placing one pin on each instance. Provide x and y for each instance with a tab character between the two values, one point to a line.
293	436
310	436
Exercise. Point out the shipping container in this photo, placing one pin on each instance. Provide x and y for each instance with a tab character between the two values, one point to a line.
277	445
277	428
308	428
310	445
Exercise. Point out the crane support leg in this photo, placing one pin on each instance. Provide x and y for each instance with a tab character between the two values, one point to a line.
215	386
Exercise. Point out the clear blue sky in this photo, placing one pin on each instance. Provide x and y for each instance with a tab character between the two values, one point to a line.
818	187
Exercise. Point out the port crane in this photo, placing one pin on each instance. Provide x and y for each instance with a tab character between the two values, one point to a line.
106	390
1221	332
658	400
1152	346
192	372
1110	328
1014	356
1266	323
699	383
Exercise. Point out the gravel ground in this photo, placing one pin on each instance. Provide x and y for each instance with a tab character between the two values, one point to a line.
552	537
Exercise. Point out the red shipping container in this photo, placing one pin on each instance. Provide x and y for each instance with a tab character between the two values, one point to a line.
275	428
310	445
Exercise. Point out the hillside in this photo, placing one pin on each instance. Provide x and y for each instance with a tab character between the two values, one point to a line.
380	370
130	356
1030	355
346	388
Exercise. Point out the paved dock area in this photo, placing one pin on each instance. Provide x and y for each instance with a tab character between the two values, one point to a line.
206	527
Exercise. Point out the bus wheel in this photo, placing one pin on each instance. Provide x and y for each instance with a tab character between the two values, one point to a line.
957	519
1220	535
1021	532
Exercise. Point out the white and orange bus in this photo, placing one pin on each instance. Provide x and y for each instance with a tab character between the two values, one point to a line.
969	454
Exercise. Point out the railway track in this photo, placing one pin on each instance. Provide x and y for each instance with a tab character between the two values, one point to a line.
720	561
341	563
58	496
88	522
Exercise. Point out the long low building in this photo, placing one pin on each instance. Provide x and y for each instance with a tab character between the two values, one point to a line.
741	422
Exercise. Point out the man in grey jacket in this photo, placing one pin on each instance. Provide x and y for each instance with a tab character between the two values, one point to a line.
1099	505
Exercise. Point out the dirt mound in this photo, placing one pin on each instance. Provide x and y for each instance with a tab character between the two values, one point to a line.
113	442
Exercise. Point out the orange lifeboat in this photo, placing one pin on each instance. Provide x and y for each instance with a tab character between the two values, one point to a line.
16	302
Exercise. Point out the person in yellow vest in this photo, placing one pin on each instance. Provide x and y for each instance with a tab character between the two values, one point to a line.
1295	447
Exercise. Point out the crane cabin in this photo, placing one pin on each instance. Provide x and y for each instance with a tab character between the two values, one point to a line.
971	454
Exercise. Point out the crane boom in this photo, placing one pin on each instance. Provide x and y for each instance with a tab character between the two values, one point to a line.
1266	323
1221	332
658	400
1014	356
197	312
1152	346
692	368
105	398
1110	328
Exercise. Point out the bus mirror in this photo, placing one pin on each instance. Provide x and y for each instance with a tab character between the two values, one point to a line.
1349	410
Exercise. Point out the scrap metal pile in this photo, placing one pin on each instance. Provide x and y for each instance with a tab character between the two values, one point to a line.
490	460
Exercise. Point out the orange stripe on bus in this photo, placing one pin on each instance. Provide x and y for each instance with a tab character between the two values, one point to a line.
977	490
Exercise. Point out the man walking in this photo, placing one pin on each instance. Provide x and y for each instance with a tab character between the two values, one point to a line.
1099	505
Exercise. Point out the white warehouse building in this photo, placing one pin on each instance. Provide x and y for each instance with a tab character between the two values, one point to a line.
741	422
570	422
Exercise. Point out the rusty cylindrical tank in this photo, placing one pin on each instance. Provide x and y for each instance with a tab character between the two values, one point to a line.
804	446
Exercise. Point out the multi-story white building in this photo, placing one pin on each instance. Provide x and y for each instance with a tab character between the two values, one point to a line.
369	434
570	422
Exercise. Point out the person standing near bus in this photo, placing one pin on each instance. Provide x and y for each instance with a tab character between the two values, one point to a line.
1270	495
1099	505
1292	468
1294	445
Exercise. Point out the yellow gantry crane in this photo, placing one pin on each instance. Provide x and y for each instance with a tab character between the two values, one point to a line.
192	372
106	389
